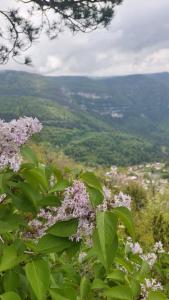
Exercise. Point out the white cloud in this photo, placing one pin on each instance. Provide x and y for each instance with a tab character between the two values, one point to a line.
137	41
53	63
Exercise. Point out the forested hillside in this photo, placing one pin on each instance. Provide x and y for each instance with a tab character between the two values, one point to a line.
115	120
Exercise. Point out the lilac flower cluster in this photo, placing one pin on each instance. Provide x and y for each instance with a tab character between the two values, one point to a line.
158	247
106	193
37	229
150	258
150	285
12	136
75	205
122	200
109	202
135	247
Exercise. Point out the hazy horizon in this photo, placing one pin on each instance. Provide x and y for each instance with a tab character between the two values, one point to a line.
83	75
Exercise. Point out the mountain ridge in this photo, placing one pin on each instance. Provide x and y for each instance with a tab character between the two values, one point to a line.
120	119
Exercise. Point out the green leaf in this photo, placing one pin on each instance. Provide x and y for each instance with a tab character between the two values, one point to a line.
64	228
10	296
96	197
38	275
60	186
144	270
117	275
10	281
85	287
29	154
105	239
5	211
91	180
26	166
135	287
50	244
23	203
29	195
29	192
156	296
8	227
126	218
9	258
121	292
69	291
50	200
165	259
99	284
55	296
36	178
4	182
127	264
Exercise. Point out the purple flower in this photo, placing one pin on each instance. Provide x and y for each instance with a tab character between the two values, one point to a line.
75	205
150	285
12	136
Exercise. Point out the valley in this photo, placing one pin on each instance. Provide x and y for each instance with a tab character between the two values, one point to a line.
114	120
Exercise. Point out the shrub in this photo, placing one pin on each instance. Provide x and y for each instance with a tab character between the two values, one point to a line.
62	237
138	195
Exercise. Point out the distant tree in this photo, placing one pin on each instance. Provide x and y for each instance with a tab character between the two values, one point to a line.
17	32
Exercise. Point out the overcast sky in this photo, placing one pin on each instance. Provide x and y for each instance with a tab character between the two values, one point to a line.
136	42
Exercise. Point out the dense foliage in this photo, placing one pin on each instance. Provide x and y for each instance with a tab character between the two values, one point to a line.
66	236
77	114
